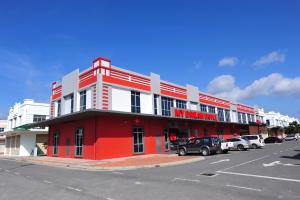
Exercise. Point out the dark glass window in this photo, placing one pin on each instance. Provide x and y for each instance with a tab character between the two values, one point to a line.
58	108
83	100
211	109
135	102
138	140
221	114
240	117
1	130
203	108
166	105
72	103
180	104
55	143
79	142
227	115
244	118
156	104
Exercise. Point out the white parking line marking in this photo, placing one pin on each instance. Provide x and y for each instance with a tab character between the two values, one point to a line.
279	163
117	173
17	173
76	189
138	183
244	163
246	188
224	160
45	181
275	153
260	176
108	198
189	180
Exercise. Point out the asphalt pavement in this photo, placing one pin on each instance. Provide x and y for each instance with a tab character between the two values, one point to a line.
268	173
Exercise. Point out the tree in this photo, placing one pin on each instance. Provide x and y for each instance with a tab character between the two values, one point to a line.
293	127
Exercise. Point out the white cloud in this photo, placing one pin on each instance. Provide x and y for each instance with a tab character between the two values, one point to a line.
274	84
228	61
273	57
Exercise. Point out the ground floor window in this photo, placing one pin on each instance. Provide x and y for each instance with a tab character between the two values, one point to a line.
55	143
138	140
79	142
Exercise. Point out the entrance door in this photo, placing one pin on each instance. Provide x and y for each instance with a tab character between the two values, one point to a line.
167	140
68	147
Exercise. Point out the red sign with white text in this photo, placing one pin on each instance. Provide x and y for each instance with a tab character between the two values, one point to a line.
189	114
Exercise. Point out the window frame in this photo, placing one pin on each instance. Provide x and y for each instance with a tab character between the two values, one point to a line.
138	130
55	143
135	102
167	104
76	145
180	104
82	100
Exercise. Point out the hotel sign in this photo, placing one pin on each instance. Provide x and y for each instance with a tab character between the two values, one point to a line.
190	114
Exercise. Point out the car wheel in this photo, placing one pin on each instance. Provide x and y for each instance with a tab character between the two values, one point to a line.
205	152
182	152
240	147
254	146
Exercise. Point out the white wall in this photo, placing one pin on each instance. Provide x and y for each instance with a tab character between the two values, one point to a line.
27	144
233	116
193	106
68	101
146	103
88	98
121	99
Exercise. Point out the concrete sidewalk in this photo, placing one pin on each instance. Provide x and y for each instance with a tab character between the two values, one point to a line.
126	163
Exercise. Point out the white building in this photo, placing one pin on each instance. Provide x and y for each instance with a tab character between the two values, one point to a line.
3	126
20	141
275	119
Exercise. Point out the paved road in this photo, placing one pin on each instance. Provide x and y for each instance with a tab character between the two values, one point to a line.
268	173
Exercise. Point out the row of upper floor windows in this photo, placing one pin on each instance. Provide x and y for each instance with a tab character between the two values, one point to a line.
160	105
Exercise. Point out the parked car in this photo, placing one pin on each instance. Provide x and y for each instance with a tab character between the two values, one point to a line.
205	146
256	141
225	146
239	144
273	140
290	137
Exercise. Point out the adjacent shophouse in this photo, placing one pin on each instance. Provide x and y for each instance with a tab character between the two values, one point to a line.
109	112
3	126
276	122
26	142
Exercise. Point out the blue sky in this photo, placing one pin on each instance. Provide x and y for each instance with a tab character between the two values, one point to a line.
245	50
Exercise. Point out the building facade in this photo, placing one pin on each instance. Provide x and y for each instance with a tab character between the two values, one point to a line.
108	112
26	142
3	126
276	123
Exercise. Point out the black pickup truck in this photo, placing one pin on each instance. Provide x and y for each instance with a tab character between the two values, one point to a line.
205	146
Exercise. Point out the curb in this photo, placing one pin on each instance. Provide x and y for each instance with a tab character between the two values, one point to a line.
83	168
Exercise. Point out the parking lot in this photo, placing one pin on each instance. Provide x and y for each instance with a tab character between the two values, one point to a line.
268	173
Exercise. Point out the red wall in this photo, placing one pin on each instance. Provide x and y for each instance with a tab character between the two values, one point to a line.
111	136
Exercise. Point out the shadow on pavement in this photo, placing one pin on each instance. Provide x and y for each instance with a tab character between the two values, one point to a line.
297	156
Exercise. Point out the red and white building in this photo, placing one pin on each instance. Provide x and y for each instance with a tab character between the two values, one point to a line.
108	112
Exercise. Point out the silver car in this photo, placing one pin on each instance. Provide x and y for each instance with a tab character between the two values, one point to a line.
239	144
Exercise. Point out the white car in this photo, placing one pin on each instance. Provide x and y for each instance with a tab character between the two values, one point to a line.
226	145
256	141
292	137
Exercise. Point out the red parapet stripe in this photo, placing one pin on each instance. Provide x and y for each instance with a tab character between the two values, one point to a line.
87	82
56	96
214	104
173	94
112	80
